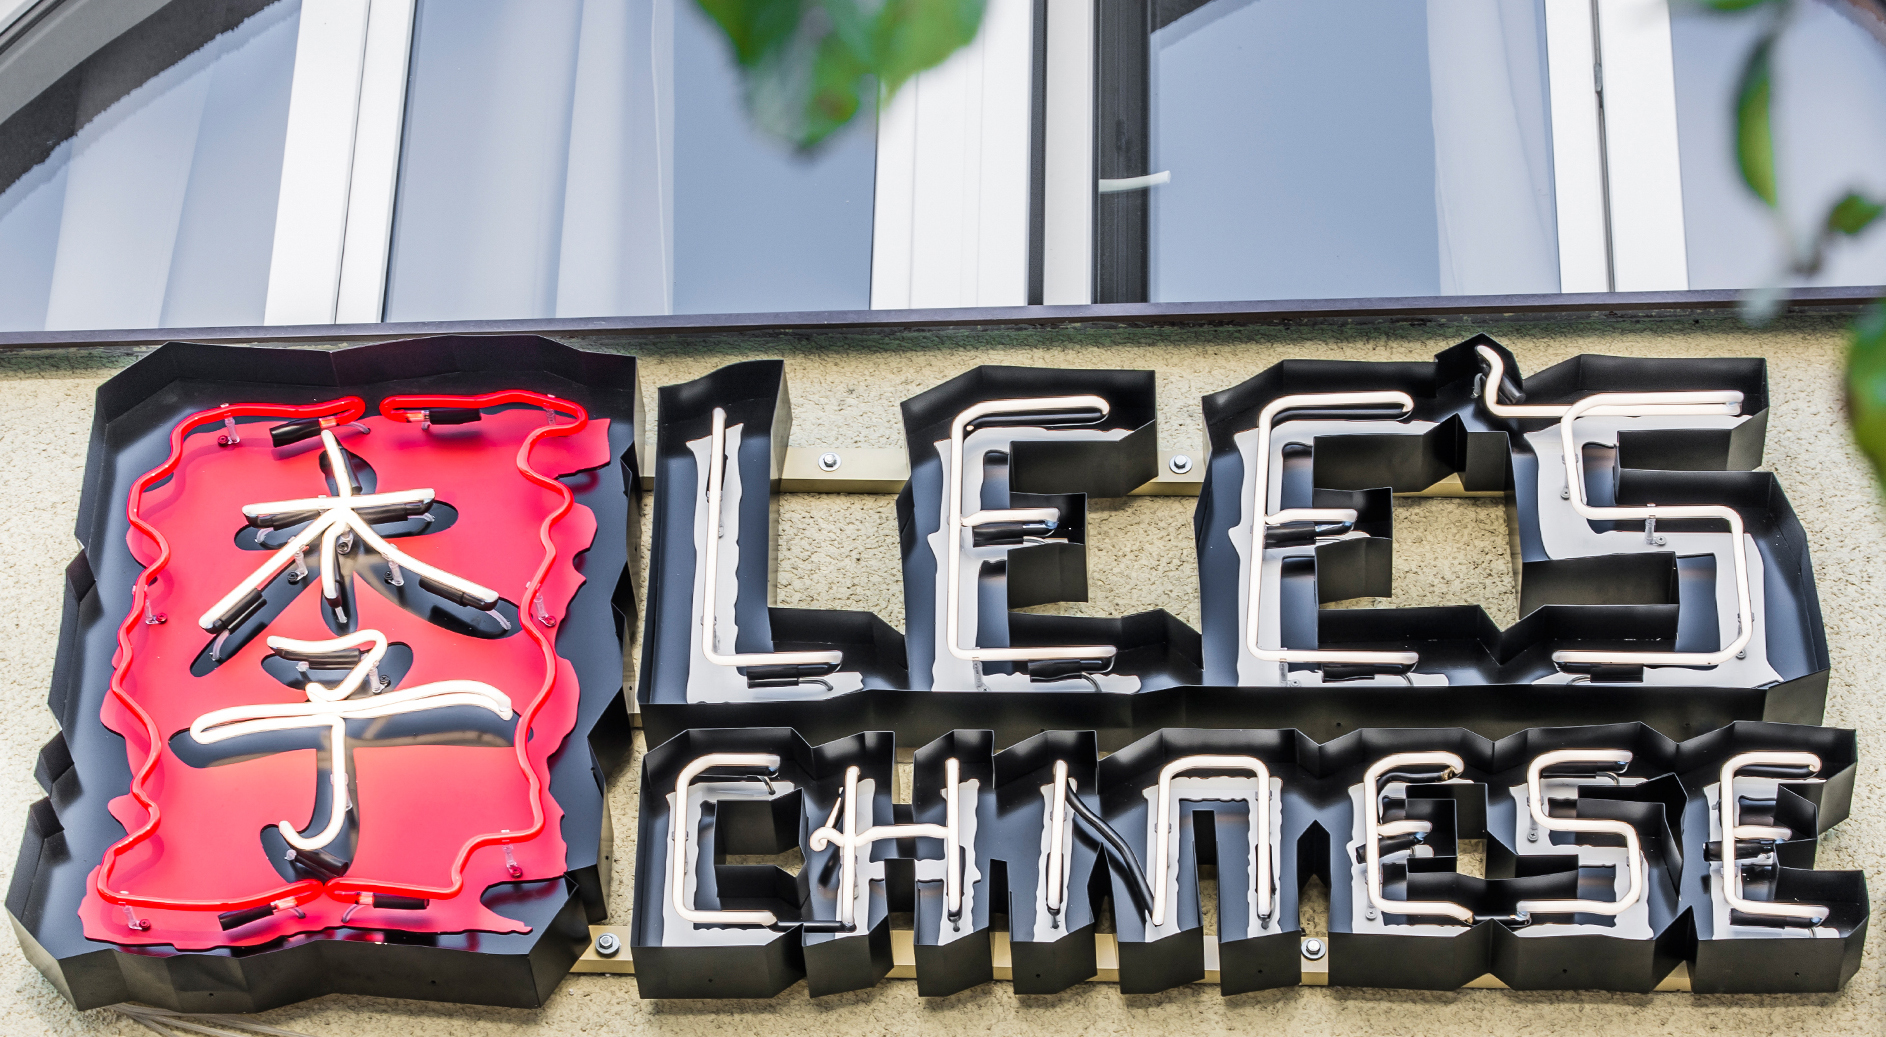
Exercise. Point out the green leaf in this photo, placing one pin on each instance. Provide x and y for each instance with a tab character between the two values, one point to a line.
756	28
1852	214
1733	6
808	65
1754	133
1866	384
913	35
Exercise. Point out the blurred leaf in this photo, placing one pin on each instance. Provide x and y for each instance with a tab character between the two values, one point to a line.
1866	384
913	35
1754	134
1852	214
807	65
1758	306
754	27
1732	6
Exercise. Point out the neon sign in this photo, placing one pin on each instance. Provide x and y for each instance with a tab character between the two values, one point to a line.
355	641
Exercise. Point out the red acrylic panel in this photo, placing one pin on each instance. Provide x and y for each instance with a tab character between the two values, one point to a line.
440	823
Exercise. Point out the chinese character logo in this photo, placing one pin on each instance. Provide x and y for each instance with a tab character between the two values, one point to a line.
356	728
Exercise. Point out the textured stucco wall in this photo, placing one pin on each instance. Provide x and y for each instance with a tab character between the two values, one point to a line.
840	551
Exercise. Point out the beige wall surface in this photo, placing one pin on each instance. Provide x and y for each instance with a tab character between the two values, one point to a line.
840	551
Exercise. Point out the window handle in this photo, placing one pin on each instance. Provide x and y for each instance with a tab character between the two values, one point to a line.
1134	183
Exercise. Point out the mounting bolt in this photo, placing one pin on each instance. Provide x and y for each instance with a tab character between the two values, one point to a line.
607	945
1532	835
1314	949
1180	464
1369	914
828	462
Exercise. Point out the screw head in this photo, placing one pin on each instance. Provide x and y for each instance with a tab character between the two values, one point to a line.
1369	914
828	462
1314	949
1180	464
608	944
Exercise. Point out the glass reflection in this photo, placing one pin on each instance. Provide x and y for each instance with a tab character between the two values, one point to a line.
579	158
144	199
1829	113
1332	148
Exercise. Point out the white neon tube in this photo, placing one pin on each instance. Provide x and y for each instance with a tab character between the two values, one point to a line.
1057	823
1707	403
1600	760
289	512
1733	830
850	840
957	523
1490	392
1631	404
952	842
337	462
1374	831
716	472
483	597
330	550
678	840
267	571
1262	518
1655	404
338	515
333	714
1264	885
370	657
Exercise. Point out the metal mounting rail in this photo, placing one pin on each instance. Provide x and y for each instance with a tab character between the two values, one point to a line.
885	470
1106	957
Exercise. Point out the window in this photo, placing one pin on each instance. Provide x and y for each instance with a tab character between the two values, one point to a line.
580	158
1830	138
1279	149
1295	149
138	186
173	163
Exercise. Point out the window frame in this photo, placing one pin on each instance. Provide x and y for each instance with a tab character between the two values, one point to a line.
1617	174
941	234
1643	170
340	169
952	218
1469	313
1618	192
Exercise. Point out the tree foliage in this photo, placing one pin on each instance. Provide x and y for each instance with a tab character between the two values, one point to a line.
1852	214
807	65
